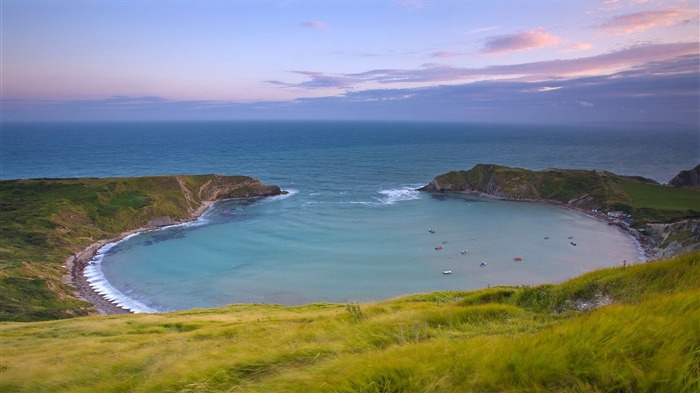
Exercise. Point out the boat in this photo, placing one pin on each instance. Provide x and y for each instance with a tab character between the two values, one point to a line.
447	272
438	248
464	252
573	244
482	264
431	230
517	259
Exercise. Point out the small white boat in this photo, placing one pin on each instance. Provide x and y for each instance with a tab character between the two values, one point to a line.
447	272
464	252
431	230
482	264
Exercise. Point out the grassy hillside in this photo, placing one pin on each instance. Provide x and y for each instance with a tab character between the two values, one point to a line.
644	199
633	329
46	220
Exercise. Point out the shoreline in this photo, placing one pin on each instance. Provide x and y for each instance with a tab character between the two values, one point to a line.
648	252
76	264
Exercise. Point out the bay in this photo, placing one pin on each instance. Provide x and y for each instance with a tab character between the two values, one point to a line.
352	228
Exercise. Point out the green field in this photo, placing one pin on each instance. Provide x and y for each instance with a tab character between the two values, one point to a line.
652	196
633	329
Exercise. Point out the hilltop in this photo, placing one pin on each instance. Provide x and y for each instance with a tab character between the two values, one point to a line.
48	223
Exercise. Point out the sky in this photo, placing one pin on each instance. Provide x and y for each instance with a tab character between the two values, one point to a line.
516	61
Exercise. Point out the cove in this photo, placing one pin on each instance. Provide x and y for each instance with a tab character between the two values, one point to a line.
348	246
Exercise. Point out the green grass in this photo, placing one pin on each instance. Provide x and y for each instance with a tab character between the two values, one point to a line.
654	196
43	221
505	339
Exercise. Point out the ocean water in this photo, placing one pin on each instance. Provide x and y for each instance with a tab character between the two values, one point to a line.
352	227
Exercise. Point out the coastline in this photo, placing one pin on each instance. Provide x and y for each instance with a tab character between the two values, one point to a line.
647	250
76	264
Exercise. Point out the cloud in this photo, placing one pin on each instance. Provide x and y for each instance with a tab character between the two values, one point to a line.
314	24
608	63
443	54
577	47
663	90
518	42
641	21
318	80
483	29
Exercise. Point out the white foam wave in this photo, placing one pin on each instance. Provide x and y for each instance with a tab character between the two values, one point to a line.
389	197
289	193
98	282
398	195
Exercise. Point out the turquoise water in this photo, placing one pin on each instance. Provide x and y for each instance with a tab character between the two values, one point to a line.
301	249
352	228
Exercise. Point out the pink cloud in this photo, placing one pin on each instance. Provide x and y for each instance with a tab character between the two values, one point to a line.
314	24
518	42
640	21
626	59
577	47
652	59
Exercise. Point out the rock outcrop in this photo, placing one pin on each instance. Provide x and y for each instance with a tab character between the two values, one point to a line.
224	187
687	178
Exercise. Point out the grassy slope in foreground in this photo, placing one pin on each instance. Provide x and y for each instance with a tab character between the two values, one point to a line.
46	220
549	338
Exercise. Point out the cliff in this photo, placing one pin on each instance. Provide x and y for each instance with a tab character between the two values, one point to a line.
44	221
687	178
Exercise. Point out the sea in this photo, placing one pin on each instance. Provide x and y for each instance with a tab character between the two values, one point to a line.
352	226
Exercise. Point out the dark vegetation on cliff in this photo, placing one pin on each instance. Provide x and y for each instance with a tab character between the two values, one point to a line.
46	220
626	329
644	199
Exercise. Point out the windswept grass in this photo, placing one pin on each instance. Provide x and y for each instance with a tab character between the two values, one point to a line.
633	329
